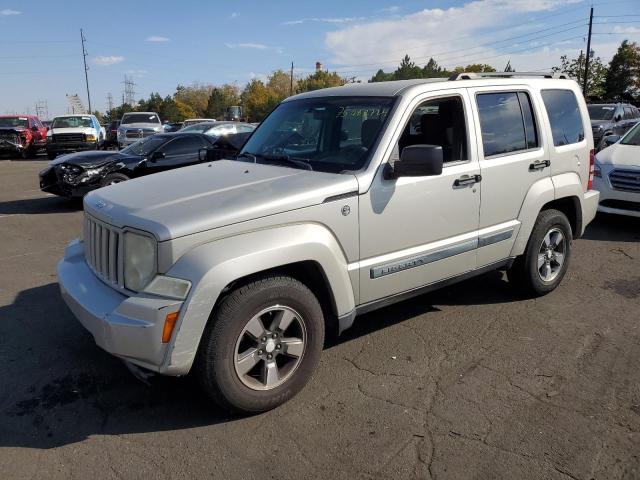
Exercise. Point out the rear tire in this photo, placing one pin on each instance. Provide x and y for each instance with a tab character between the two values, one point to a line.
546	259
234	364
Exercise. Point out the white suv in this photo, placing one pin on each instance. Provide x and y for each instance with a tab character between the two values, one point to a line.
342	201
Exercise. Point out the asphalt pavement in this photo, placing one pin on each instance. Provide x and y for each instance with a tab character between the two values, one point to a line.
468	382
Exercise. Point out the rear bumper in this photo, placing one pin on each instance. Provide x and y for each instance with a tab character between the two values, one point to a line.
127	327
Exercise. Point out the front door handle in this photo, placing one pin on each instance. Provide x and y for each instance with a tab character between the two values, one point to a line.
467	180
540	165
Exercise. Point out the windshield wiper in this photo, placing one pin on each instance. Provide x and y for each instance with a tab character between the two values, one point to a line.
296	162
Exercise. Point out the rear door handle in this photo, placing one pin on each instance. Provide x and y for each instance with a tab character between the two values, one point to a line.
467	180
540	165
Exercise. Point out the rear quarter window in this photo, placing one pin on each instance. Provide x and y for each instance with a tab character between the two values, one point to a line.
564	116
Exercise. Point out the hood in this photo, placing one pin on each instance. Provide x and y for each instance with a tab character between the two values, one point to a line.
141	125
211	195
57	131
14	129
92	158
619	155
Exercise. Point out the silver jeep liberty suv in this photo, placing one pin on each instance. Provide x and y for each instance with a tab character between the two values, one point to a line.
342	201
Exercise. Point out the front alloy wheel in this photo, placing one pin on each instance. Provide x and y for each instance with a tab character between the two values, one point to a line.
270	347
261	344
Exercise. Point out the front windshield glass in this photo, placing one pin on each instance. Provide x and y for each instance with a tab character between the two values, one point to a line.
328	134
601	112
632	137
71	122
13	122
145	146
139	118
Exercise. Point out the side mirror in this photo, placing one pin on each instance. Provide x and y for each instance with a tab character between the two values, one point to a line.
417	161
203	154
610	140
34	128
617	118
155	156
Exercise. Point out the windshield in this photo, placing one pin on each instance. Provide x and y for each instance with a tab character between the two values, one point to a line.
632	137
71	122
12	122
139	118
145	146
329	134
601	112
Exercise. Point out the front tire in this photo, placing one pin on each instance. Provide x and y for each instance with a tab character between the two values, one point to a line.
113	178
261	345
546	259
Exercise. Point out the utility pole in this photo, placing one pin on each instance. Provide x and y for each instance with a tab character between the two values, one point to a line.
291	82
586	62
86	69
109	101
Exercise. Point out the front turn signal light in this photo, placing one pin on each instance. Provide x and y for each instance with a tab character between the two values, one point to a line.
169	324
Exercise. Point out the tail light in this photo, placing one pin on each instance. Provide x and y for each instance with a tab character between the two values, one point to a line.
592	166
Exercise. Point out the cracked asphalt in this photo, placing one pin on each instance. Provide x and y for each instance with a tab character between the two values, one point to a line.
467	382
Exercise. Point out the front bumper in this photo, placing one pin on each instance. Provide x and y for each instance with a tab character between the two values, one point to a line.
618	202
52	182
71	147
128	327
7	146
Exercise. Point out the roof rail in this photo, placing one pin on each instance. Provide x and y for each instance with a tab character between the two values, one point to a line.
475	76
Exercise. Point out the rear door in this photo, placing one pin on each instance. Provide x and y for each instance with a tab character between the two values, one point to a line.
513	157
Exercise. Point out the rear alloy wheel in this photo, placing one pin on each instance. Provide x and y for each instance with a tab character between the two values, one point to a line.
261	345
546	259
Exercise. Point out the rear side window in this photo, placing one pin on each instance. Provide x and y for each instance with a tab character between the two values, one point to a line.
564	116
507	123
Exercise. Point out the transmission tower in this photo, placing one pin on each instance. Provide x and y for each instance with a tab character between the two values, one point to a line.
42	110
129	93
109	102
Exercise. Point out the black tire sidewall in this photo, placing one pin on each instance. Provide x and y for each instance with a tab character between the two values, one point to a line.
547	220
218	352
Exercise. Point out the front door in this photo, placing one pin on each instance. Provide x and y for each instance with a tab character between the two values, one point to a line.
415	231
179	152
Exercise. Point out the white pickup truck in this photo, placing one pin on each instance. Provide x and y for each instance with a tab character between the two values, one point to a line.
72	133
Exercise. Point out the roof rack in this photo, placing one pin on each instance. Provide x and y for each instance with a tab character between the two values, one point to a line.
475	76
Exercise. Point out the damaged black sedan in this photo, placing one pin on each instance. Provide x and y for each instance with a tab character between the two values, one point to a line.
76	174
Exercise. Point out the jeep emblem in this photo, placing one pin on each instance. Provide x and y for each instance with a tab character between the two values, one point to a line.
100	204
346	210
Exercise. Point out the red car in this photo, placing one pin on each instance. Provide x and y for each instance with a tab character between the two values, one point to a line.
23	134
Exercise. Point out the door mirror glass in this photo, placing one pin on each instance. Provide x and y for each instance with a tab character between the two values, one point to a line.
203	154
418	161
617	118
611	139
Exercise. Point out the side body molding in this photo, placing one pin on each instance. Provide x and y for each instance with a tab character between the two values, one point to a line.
213	266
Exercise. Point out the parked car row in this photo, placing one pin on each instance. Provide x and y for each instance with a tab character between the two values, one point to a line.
611	119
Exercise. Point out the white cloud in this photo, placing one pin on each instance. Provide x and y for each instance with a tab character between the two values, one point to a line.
626	30
137	73
257	46
107	60
391	9
7	12
158	39
455	36
330	20
234	15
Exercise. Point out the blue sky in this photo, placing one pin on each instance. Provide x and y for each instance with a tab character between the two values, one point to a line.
161	44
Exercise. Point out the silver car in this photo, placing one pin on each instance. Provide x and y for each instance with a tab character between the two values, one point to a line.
342	201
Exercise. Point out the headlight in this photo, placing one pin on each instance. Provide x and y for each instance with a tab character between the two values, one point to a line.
139	260
49	133
168	287
90	138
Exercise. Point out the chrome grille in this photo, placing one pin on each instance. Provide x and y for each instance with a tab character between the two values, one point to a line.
139	133
627	180
102	250
68	137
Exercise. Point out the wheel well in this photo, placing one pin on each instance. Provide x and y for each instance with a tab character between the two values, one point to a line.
308	272
570	206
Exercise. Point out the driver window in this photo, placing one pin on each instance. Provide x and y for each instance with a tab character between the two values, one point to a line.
182	146
438	122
